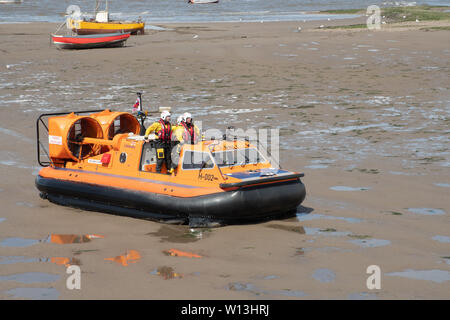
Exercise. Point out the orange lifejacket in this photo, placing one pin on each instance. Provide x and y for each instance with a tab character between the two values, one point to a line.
165	134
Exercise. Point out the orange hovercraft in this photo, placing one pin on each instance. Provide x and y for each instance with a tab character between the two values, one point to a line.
98	161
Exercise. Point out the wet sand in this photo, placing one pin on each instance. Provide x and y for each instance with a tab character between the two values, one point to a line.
364	114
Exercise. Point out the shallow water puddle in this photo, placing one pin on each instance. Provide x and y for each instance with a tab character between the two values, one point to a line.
179	253
326	232
443	185
18	242
30	277
400	173
324	275
237	286
16	259
361	296
287	293
329	249
132	256
345	188
34	293
180	234
21	259
427	211
25	204
166	273
370	243
317	166
52	238
271	277
443	239
308	216
435	275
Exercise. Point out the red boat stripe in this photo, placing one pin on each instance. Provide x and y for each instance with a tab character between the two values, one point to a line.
80	40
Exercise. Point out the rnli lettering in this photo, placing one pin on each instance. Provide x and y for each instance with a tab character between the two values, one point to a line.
207	177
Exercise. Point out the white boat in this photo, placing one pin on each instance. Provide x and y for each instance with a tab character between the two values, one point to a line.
203	1
101	23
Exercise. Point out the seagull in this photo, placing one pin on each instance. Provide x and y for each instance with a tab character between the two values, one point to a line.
196	36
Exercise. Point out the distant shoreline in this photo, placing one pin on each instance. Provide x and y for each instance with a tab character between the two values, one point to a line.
393	14
294	17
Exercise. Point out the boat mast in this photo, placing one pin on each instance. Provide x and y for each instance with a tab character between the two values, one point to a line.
97	4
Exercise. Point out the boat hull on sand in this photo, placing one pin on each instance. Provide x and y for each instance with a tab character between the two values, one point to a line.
90	41
82	27
203	1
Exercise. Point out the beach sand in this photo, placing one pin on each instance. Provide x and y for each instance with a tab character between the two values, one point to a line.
364	114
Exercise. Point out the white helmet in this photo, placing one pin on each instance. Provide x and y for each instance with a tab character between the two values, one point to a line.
179	120
186	115
165	114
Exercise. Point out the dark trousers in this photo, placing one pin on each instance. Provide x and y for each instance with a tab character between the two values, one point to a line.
166	159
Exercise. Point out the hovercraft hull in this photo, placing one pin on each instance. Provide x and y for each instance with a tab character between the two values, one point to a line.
244	205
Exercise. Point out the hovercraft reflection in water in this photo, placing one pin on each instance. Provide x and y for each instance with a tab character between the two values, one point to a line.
131	256
52	238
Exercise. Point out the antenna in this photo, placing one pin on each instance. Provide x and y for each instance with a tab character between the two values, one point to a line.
141	115
97	4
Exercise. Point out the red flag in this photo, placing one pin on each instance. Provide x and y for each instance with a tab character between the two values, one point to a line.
137	106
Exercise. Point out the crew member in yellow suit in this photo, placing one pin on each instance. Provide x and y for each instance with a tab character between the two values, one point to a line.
163	129
185	132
